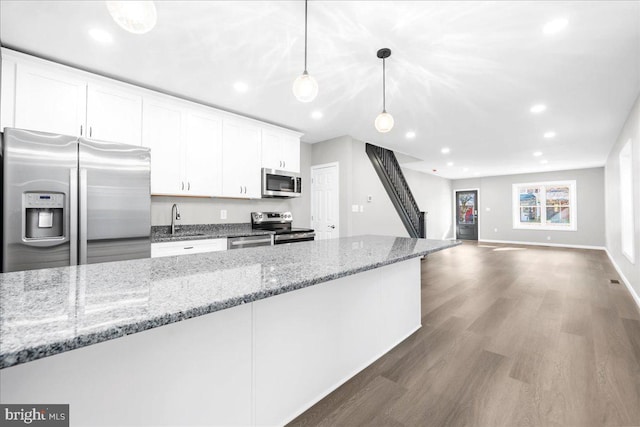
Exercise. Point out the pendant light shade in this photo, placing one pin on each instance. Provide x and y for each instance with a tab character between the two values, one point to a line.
384	121
137	17
305	87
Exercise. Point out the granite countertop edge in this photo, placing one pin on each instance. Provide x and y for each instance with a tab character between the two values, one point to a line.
37	352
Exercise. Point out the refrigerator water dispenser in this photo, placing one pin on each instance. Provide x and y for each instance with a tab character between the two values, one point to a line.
43	215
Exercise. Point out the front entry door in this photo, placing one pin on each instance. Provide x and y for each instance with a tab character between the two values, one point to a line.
467	215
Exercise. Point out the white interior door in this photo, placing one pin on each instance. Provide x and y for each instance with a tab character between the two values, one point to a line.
325	201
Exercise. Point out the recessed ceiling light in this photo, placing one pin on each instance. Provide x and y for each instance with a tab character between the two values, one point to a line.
544	162
550	134
555	26
450	164
410	134
317	115
445	150
241	87
137	17
100	35
538	108
537	153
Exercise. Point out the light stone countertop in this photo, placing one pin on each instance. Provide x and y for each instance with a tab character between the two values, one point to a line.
162	233
50	311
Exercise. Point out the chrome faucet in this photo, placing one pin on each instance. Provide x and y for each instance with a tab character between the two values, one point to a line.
175	214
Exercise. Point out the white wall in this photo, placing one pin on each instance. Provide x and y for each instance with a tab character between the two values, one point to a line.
207	210
630	131
496	194
358	180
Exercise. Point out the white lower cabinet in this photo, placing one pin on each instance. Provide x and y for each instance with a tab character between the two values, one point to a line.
186	247
262	363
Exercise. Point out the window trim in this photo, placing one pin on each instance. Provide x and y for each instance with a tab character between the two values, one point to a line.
543	225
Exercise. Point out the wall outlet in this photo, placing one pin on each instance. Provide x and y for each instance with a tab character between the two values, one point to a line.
548	237
223	214
487	209
354	208
495	230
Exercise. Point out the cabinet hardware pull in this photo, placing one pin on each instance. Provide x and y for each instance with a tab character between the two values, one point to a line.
245	190
183	185
188	247
90	131
284	163
188	186
80	130
241	189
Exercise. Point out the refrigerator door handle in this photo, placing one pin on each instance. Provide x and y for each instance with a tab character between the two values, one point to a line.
83	216
73	216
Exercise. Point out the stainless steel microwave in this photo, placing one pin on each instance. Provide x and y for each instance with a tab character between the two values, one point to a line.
277	183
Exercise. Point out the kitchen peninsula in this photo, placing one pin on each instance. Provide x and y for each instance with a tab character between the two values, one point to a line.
248	337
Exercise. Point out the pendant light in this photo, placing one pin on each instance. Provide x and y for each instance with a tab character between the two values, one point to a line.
384	121
305	88
137	17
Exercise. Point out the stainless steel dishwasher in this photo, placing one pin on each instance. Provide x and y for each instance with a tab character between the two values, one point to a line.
249	241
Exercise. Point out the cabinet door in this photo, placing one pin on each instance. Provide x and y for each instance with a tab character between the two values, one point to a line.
114	115
241	160
49	101
232	159
290	149
280	151
251	176
271	150
202	145
162	132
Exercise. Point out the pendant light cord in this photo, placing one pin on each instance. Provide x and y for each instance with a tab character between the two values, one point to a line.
305	36
384	88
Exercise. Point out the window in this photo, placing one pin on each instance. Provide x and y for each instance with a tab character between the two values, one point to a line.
627	227
545	205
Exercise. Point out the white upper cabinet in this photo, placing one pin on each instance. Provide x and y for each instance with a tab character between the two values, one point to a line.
241	151
162	132
280	151
195	150
49	100
114	115
186	148
203	153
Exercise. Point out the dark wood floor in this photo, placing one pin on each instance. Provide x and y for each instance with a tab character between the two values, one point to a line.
511	336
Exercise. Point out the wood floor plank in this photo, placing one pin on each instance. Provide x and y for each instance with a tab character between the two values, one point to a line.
504	345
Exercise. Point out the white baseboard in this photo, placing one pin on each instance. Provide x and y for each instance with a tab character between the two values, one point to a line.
556	245
626	282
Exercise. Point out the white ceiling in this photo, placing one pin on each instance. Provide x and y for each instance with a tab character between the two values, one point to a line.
462	75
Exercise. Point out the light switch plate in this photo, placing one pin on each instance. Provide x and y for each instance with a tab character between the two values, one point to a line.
361	208
354	208
223	214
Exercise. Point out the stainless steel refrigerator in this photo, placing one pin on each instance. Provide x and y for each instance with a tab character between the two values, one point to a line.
70	200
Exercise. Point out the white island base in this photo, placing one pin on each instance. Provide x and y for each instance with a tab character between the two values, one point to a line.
261	363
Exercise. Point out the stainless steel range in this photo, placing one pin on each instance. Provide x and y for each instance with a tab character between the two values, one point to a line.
280	223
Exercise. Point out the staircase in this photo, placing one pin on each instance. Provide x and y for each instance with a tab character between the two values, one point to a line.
388	169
